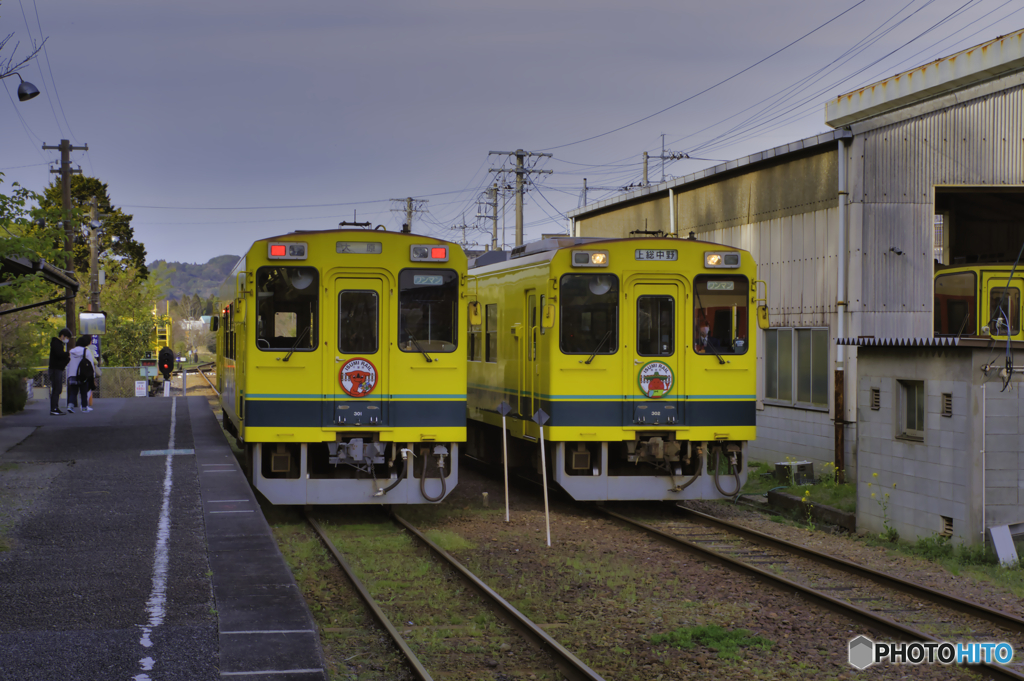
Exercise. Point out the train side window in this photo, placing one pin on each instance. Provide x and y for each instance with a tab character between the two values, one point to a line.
955	307
589	313
1004	310
357	322
720	314
475	351
428	310
491	328
655	326
287	304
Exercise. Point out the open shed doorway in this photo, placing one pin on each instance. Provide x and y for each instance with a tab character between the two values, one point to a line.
978	224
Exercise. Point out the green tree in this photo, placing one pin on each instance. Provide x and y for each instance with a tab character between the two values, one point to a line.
116	235
24	335
129	301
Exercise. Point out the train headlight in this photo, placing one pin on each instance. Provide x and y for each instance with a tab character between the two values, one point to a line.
287	250
428	253
590	258
722	260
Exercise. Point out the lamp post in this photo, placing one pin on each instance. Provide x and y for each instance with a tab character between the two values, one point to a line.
26	90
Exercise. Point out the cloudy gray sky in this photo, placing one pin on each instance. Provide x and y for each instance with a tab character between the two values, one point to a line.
219	122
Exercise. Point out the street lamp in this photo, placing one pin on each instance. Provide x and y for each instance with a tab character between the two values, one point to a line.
26	90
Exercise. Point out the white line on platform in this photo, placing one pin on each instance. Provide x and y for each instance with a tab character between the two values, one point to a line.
275	631
267	672
167	452
161	558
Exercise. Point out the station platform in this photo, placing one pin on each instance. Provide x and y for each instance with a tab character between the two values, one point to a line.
131	547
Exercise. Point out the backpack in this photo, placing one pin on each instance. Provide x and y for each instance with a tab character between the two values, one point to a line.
86	374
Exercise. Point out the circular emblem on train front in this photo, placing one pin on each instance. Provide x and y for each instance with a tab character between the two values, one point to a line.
358	377
656	379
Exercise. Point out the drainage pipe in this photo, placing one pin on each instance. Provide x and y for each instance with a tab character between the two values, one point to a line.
840	373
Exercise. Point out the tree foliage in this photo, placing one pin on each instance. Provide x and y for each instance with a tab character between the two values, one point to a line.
116	236
129	302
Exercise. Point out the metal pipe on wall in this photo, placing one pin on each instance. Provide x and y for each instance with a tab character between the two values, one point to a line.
671	211
840	374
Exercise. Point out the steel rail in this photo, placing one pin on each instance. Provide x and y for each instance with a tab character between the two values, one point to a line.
893	628
967	607
416	666
570	666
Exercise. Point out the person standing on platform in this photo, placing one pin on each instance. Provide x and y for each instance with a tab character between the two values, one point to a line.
82	372
59	359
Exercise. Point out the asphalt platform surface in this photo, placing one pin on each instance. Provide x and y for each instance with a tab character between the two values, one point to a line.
132	548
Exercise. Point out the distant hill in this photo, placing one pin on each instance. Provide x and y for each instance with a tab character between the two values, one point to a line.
189	279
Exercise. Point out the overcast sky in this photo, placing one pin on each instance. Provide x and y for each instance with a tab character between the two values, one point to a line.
218	123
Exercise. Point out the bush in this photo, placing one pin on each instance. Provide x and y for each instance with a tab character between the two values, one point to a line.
14	394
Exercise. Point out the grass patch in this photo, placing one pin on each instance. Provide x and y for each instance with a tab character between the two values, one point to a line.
761	478
725	642
449	541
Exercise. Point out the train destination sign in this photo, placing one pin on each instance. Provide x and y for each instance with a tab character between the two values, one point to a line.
656	254
360	247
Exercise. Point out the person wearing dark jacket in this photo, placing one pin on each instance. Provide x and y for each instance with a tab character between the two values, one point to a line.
59	359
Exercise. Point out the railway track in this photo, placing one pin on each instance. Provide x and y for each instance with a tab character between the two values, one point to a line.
904	610
458	620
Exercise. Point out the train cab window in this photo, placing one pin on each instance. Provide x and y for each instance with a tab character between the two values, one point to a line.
589	314
955	306
720	314
428	314
357	322
475	350
1004	310
287	300
655	326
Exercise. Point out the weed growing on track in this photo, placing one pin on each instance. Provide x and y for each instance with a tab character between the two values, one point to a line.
725	642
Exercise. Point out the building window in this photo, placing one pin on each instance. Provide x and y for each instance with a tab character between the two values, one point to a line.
491	329
876	399
796	367
912	410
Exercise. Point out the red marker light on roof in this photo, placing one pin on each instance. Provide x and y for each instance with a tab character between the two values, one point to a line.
278	250
439	253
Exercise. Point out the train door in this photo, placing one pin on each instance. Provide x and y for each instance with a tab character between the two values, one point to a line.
356	378
528	403
1002	304
656	351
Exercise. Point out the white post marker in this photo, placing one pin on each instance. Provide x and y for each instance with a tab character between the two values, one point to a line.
541	418
504	409
167	388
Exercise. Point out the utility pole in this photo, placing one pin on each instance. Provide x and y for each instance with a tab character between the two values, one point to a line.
412	206
94	258
463	227
521	171
492	202
66	172
645	171
670	156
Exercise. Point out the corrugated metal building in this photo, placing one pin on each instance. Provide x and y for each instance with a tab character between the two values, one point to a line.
930	165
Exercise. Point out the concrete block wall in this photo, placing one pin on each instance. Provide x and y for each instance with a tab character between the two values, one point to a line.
800	434
1004	454
931	476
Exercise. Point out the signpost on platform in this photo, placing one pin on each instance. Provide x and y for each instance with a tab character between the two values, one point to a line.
504	410
540	418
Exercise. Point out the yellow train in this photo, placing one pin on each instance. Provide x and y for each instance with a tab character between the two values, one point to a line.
342	369
640	351
991	294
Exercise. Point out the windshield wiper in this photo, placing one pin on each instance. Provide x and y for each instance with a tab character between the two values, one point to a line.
418	346
599	346
297	341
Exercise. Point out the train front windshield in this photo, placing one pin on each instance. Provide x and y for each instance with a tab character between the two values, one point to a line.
287	300
955	304
589	314
428	310
720	314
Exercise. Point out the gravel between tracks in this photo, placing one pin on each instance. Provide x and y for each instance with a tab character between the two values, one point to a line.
604	590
